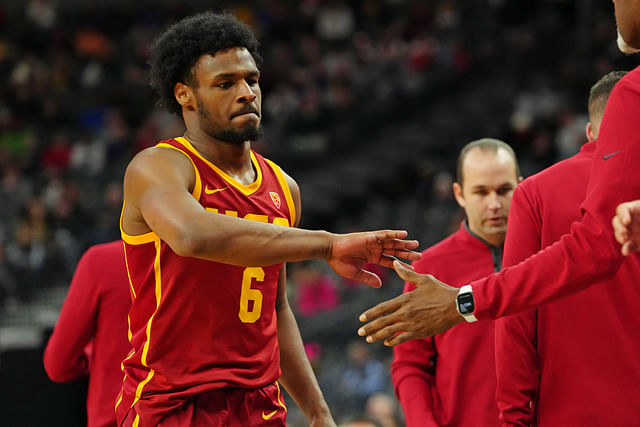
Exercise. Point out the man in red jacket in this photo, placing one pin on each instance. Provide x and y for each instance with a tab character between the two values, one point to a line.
432	375
538	382
585	257
90	337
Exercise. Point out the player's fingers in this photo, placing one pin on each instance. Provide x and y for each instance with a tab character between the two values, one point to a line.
369	278
400	244
385	260
623	212
405	265
407	274
628	248
383	235
382	308
399	339
383	333
410	255
620	231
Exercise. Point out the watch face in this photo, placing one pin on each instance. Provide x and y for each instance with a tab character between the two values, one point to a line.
465	303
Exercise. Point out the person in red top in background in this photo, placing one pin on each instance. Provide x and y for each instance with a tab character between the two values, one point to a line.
538	382
208	224
588	255
90	337
432	376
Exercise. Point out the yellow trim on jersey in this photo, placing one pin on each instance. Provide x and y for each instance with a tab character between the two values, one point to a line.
197	187
120	395
280	400
285	189
245	189
145	348
133	291
151	236
131	353
140	239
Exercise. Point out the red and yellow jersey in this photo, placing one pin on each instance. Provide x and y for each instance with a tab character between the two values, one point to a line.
198	325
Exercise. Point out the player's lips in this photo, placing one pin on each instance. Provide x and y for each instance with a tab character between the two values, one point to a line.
245	111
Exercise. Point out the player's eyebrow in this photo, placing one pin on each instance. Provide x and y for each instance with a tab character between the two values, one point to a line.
231	75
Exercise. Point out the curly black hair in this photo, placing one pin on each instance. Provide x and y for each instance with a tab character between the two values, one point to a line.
176	51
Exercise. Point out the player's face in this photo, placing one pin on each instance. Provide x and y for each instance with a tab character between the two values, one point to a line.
228	97
628	22
488	183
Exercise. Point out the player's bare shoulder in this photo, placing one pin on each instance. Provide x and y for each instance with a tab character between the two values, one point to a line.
152	171
158	166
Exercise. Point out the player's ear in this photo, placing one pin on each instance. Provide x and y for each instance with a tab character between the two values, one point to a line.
184	95
457	193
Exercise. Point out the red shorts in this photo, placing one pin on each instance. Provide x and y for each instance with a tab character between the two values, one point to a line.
226	407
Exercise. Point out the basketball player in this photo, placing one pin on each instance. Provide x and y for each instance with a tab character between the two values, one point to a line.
586	256
207	225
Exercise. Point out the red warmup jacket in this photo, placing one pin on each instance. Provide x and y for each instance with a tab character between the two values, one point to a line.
90	337
563	364
589	254
449	379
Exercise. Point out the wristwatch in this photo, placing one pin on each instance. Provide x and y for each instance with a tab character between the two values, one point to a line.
465	303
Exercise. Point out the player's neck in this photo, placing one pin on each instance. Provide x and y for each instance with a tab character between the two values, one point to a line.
233	158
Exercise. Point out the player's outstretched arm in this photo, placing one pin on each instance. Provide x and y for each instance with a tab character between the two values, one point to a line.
427	310
157	198
626	226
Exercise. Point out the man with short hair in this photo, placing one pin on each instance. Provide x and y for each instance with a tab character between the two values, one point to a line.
432	376
560	364
207	225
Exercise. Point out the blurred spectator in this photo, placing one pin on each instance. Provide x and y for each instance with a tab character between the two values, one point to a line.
316	291
384	408
26	258
360	421
363	375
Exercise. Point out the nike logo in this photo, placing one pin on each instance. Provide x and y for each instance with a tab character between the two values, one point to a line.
269	415
213	190
611	154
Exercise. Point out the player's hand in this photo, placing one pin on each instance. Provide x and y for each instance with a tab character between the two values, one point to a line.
349	252
427	310
626	226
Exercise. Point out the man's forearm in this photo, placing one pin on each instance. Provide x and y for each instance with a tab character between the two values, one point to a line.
246	242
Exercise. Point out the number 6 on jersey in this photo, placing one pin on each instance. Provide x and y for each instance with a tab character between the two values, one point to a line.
247	294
